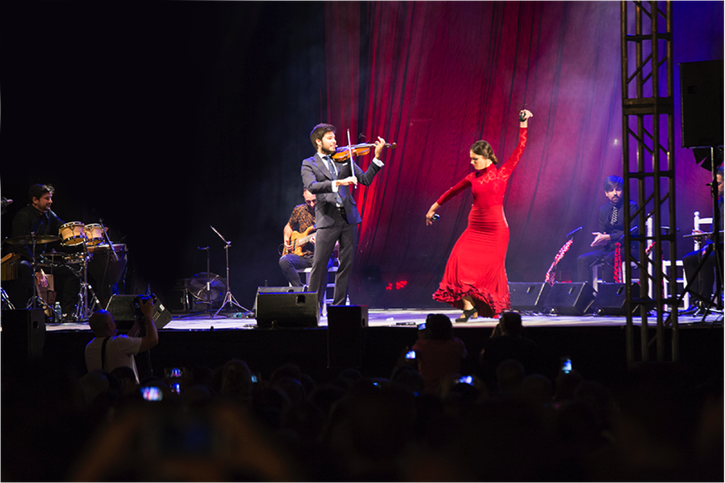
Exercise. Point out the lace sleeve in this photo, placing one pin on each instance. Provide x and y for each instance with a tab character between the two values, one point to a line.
460	186
513	160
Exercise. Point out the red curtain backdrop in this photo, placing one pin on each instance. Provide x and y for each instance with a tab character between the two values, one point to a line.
437	76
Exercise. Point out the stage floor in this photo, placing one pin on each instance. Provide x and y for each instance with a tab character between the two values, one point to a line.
404	318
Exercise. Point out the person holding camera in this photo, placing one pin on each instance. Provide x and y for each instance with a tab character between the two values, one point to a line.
507	342
438	352
108	350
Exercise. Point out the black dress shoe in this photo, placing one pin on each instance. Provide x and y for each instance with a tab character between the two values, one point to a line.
467	314
689	310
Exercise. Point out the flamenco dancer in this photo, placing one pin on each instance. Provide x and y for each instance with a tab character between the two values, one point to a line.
475	277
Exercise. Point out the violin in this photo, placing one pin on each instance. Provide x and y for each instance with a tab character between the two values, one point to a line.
342	154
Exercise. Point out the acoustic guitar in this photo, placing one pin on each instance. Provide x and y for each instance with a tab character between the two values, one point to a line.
298	240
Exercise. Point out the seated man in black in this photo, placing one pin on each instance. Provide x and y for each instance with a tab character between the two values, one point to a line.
37	218
700	285
611	231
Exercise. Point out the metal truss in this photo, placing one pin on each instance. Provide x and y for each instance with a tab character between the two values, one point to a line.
648	138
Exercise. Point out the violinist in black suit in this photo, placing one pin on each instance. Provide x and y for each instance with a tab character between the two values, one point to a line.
336	213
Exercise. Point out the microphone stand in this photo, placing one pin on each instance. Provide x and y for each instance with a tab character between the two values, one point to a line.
208	281
228	297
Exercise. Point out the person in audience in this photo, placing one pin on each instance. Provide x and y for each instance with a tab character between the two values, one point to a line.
109	350
438	352
507	342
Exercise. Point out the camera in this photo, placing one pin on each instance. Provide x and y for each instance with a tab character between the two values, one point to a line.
421	326
466	380
152	393
174	372
255	379
565	365
176	387
410	355
137	303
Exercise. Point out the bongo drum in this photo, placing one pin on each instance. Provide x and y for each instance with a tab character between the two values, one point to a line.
72	233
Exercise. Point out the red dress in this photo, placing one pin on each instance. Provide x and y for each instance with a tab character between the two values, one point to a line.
477	265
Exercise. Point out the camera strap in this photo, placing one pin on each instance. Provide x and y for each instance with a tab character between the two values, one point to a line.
103	353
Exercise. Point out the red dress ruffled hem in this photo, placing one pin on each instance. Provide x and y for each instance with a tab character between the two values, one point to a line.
486	304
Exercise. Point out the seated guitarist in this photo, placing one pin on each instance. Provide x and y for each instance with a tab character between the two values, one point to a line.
299	240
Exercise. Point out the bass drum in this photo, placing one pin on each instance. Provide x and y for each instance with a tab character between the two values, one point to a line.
105	270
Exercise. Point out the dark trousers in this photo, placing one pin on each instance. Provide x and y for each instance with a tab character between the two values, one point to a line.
346	234
290	264
585	262
701	285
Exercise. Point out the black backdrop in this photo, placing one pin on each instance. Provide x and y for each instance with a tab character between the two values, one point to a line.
163	120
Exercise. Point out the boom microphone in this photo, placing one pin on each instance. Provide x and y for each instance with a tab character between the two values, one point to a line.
573	232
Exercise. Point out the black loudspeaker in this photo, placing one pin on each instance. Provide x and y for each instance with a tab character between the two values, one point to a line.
528	296
284	289
570	298
286	309
611	298
122	310
346	326
701	97
23	335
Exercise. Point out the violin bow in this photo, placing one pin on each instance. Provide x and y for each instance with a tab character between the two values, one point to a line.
349	148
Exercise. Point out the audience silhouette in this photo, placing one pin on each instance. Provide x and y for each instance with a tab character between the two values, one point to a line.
655	423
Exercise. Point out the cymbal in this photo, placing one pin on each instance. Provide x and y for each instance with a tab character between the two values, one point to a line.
704	233
28	239
53	255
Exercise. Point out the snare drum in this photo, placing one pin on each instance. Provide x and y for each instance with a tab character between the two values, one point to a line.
72	233
94	234
74	258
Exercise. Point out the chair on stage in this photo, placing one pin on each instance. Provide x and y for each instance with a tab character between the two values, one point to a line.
598	274
697	225
329	289
703	225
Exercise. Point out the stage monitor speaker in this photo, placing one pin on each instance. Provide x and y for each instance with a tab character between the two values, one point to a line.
122	310
286	309
528	296
701	97
611	298
570	298
23	335
283	289
346	326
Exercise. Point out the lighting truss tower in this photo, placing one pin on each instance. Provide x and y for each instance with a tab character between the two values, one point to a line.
648	137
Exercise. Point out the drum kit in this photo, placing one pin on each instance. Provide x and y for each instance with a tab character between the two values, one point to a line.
93	238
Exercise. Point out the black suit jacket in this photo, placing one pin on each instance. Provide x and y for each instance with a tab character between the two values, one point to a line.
617	230
318	180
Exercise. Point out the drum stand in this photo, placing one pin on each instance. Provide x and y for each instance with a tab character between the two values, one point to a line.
84	310
6	303
228	298
35	299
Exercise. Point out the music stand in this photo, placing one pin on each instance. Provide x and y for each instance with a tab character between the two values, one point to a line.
228	297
